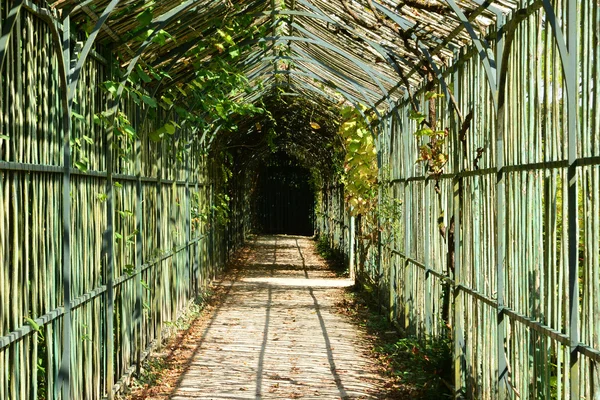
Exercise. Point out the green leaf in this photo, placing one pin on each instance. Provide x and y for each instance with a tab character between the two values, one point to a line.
167	100
133	78
155	74
145	35
111	87
107	113
220	47
34	325
4	137
234	53
220	111
354	147
149	101
144	18
143	75
135	97
227	37
157	135
128	129
40	366
82	166
416	116
165	75
125	214
129	269
161	37
424	132
433	95
169	128
77	116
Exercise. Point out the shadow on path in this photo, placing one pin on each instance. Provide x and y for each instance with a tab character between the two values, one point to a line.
276	334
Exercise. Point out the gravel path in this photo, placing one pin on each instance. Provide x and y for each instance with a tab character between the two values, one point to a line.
277	334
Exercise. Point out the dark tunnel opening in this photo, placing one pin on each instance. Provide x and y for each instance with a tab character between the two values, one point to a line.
285	200
279	162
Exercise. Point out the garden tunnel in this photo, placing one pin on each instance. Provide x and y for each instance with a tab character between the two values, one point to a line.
453	147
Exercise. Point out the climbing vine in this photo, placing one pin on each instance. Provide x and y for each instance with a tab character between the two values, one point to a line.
361	179
360	176
213	98
432	152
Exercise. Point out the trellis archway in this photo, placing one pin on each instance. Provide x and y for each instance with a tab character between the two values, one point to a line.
121	197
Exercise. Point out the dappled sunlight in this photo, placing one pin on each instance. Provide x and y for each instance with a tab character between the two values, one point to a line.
277	333
298	282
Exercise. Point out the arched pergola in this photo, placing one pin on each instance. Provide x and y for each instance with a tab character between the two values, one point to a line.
108	229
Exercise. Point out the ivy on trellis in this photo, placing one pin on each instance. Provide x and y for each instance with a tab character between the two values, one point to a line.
432	152
213	98
360	176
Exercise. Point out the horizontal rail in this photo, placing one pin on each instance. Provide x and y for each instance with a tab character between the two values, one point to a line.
54	169
478	295
580	162
537	326
24	330
589	352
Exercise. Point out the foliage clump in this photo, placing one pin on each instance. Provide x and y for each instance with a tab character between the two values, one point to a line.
336	259
360	177
213	100
417	368
432	152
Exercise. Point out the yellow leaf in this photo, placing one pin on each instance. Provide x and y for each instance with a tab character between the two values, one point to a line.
314	125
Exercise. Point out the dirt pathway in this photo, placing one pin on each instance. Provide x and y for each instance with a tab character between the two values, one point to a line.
276	334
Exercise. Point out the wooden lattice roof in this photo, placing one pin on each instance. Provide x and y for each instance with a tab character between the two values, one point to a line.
366	50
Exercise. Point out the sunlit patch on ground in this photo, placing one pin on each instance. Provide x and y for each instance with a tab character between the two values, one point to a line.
275	334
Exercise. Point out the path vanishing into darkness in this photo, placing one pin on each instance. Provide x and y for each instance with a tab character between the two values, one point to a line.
277	334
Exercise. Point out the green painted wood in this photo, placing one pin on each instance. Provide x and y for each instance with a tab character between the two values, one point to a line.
512	315
70	347
526	276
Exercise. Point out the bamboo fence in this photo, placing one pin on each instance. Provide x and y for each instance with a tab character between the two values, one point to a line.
521	193
97	262
502	247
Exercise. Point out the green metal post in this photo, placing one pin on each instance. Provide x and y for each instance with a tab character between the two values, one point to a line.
188	228
138	255
502	378
158	284
459	309
351	247
572	87
109	274
64	374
